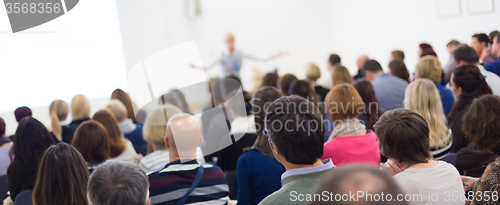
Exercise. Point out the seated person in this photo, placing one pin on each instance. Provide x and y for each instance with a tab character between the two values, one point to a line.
404	139
349	142
206	182
298	148
132	131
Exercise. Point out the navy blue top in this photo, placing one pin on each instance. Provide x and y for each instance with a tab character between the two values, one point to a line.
447	98
140	145
493	67
258	176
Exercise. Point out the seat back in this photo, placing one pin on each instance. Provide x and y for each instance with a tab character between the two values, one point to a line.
4	187
24	198
450	158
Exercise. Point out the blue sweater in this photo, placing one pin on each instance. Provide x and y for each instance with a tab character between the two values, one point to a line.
493	67
258	176
140	145
447	98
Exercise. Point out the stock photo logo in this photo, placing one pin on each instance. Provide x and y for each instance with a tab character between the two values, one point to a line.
26	14
165	77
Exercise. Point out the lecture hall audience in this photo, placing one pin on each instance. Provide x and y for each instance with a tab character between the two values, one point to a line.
5	146
360	62
333	60
258	171
284	83
494	67
313	73
350	142
80	110
371	111
58	111
404	139
91	140
340	75
398	68
422	97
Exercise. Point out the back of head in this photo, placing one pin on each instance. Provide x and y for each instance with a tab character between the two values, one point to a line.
116	182
430	68
115	139
184	135
372	66
343	103
481	38
300	145
398	69
2	127
177	98
62	177
473	85
354	179
313	72
422	97
118	109
453	43
334	59
481	123
284	83
122	96
22	112
301	88
493	34
260	100
466	54
80	108
340	74
367	94
154	130
91	140
398	55
403	136
30	142
270	79
58	111
427	50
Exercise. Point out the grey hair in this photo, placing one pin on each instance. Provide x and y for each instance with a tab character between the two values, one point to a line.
117	182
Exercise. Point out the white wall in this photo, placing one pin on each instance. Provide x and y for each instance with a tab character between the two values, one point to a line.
376	28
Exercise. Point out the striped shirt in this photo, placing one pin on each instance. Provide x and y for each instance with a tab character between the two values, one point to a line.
171	183
441	152
156	160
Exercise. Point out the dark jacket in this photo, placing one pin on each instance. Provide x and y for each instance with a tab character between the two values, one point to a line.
321	91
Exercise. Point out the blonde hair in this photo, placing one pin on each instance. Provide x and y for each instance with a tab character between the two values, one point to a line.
117	108
155	128
257	77
313	73
340	75
58	111
80	108
229	37
422	97
429	67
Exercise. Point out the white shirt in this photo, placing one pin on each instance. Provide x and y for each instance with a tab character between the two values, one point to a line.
437	185
129	154
158	159
492	79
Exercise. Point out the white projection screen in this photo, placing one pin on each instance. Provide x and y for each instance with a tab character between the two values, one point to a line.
79	52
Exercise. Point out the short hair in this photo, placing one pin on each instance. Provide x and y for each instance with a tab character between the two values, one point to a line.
354	178
270	79
404	136
372	66
2	127
22	112
117	182
334	59
80	107
62	177
465	53
481	123
481	38
229	37
297	144
154	129
493	34
313	72
398	69
399	54
117	108
453	43
284	83
343	102
430	68
496	36
91	139
340	75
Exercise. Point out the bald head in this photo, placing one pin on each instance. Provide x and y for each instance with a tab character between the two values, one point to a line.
183	137
361	61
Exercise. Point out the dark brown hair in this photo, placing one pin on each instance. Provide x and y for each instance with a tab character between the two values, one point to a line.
62	177
284	83
2	127
270	79
122	96
367	93
115	139
398	69
404	136
481	123
91	139
260	100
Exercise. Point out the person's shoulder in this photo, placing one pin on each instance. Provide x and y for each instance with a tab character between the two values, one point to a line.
273	198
